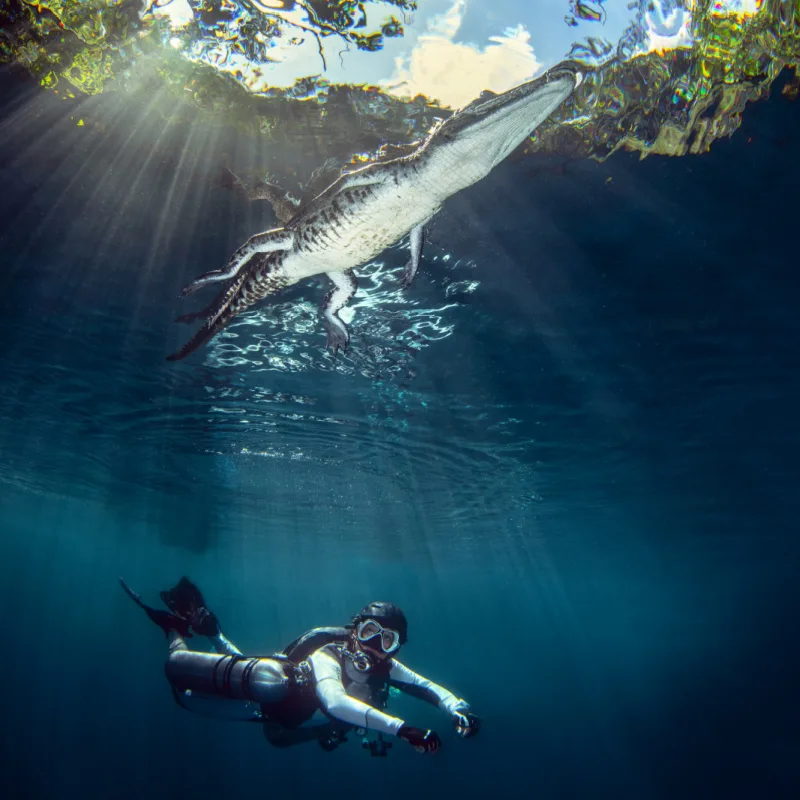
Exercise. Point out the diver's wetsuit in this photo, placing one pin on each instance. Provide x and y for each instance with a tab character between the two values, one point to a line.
357	697
324	669
283	691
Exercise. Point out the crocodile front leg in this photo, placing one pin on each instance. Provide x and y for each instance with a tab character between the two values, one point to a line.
267	242
284	203
344	287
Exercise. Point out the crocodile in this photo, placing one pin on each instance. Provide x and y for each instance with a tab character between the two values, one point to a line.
366	210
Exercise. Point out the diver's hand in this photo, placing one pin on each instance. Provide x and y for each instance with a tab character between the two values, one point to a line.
466	724
422	741
331	740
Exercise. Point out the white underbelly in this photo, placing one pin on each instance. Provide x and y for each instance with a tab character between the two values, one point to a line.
361	232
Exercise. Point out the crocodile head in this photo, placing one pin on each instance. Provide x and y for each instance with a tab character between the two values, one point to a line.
479	136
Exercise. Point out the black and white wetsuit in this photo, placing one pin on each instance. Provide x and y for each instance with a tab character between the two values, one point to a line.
284	694
357	698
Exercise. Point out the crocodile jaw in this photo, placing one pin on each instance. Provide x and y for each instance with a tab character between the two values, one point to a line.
360	223
466	147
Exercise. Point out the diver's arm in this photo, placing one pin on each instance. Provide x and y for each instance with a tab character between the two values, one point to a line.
411	683
278	736
338	704
408	681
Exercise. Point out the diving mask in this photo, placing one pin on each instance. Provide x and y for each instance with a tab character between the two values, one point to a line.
369	629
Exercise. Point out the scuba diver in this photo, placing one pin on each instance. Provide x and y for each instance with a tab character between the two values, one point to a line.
346	673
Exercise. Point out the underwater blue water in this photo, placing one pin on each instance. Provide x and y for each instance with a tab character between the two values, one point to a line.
584	495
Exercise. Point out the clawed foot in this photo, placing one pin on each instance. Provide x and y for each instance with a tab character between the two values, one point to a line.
407	278
338	335
199	283
267	242
230	180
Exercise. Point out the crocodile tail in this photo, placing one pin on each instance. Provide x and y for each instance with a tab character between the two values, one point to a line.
205	333
224	308
264	275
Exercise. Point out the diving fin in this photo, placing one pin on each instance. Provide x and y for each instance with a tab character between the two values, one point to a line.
164	619
186	601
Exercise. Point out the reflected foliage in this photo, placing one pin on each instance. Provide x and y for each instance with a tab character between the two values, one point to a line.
666	87
676	101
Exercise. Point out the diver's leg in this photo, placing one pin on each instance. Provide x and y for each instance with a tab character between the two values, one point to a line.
186	600
327	734
169	623
200	684
211	675
222	644
257	680
177	643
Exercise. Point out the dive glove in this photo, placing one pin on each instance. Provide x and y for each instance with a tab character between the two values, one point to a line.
422	741
331	740
204	622
466	724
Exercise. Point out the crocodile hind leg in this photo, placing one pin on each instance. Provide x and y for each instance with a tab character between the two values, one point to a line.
268	242
417	239
264	275
193	316
344	287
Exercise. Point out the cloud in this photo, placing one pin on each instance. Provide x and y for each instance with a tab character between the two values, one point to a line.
667	32
456	73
